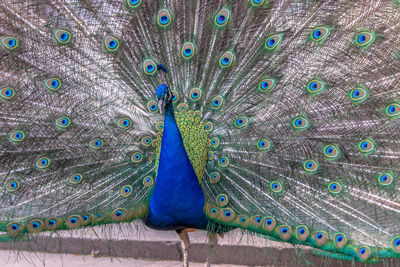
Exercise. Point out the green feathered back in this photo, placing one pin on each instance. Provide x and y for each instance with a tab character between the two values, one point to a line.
300	100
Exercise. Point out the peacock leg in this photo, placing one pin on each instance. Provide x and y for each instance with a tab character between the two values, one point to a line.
185	244
212	248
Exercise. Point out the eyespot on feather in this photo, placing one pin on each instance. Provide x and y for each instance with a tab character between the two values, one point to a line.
340	240
73	221
315	87
214	142
111	44
358	94
276	186
43	163
52	84
334	187
222	17
164	18
302	232
146	140
132	4
96	144
209	126
266	85
243	221
272	42
126	190
385	178
241	122
137	157
268	223
12	186
149	67
222	200
284	231
226	215
9	42
300	123
395	244
363	253
215	177
175	96
310	166
63	122
159	125
195	94
52	223
14	228
393	110
16	136
366	146
320	237
188	50
148	181
320	33
217	102
7	93
223	161
331	152
257	3
364	39
35	226
62	36
226	60
124	123
75	178
264	144
119	215
183	107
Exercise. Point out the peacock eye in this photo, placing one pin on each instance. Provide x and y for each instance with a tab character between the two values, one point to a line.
393	110
272	42
132	4
62	36
358	94
9	42
310	165
111	44
256	3
226	60
315	87
366	146
364	39
222	17
276	186
52	84
7	93
152	106
149	67
164	18
300	123
320	33
188	49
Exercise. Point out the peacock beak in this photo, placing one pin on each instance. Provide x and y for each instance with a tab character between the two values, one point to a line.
161	104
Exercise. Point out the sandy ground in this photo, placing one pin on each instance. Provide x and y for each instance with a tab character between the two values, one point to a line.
27	259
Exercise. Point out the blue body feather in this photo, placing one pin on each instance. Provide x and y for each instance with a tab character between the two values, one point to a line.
177	201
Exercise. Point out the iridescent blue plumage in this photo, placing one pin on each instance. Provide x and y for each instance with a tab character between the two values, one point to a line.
177	201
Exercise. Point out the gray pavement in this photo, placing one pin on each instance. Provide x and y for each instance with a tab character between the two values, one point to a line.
122	243
27	259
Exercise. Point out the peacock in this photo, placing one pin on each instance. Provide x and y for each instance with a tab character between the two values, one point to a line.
280	118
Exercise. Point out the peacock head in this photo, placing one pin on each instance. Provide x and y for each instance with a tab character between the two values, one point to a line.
164	96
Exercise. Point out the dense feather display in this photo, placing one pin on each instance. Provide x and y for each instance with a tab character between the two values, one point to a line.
288	112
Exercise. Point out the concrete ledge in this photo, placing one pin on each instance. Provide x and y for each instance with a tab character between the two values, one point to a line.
157	245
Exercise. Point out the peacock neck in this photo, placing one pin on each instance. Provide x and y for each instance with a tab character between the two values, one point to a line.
177	200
